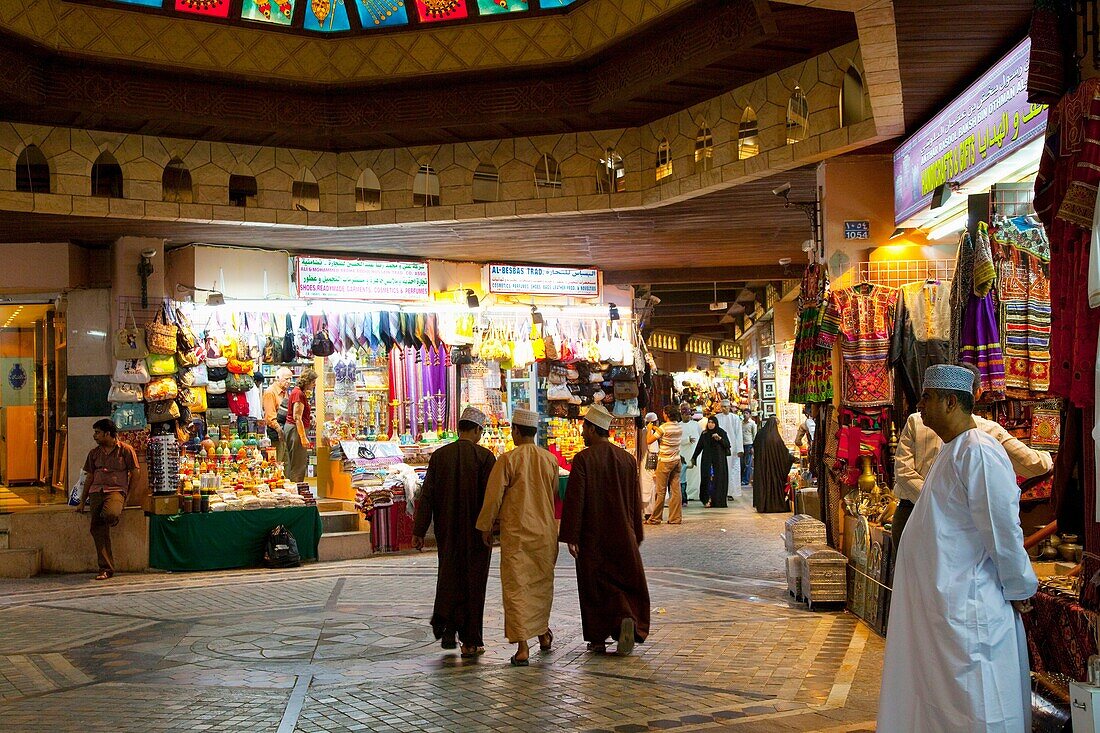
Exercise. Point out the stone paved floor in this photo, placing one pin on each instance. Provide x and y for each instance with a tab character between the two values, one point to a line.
346	647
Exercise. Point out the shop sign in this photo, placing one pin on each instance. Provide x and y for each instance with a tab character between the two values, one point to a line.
987	123
353	279
534	280
857	230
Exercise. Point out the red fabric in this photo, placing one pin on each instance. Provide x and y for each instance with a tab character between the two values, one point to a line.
1059	639
296	396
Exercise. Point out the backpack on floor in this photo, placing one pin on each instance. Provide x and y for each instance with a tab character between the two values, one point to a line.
281	549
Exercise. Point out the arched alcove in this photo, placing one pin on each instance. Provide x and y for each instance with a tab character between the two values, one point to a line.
853	103
798	117
485	187
748	135
305	194
106	177
426	186
32	171
175	183
368	191
664	159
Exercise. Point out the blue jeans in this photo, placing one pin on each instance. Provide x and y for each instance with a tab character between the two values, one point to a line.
746	467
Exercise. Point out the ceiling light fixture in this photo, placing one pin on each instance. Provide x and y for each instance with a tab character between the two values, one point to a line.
943	192
717	305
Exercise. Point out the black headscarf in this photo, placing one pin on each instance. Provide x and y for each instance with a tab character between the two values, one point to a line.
771	463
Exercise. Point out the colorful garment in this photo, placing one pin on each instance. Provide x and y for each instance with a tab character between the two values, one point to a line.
811	366
1023	297
922	337
980	337
1065	199
863	317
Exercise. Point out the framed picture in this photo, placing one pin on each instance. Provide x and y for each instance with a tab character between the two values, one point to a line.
767	369
769	409
767	392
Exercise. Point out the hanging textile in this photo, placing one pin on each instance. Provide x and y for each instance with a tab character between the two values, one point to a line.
1051	68
1023	297
922	338
979	340
862	316
1065	201
811	365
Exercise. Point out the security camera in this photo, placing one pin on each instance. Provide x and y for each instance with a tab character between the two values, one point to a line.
784	261
148	253
782	190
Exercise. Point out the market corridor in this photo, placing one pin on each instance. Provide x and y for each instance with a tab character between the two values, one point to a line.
346	647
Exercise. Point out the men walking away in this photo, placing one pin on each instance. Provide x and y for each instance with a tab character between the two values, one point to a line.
668	438
451	497
521	492
601	523
956	655
112	469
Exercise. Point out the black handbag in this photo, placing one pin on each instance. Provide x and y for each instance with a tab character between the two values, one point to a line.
651	461
461	355
322	344
289	351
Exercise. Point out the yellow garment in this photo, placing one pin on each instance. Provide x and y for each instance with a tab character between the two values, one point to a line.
521	492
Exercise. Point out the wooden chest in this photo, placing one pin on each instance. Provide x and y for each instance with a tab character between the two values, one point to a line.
824	575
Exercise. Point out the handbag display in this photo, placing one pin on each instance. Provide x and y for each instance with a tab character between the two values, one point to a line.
322	344
161	388
161	365
121	392
193	398
189	358
558	392
303	341
160	334
129	416
216	401
130	342
199	376
241	366
216	373
163	411
290	349
186	377
131	371
626	389
239	382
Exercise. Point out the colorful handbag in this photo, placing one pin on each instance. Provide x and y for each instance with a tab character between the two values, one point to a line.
122	392
239	382
161	388
322	345
163	411
1046	429
199	375
129	416
302	346
189	358
130	342
186	340
193	398
240	366
131	371
160	335
186	377
161	365
238	403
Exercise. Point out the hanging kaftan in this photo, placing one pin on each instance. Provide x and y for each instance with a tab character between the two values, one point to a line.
922	336
811	366
1023	297
980	336
863	318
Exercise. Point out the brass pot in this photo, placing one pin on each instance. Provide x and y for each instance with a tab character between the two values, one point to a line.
1070	552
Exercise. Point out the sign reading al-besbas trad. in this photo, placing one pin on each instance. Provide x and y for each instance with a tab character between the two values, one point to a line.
535	280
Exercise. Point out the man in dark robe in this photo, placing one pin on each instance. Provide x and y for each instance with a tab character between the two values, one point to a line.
601	522
451	497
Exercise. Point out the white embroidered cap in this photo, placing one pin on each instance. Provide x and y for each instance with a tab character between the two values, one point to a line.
599	416
948	376
528	418
474	415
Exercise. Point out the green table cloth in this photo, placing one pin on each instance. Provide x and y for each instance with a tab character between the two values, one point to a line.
232	539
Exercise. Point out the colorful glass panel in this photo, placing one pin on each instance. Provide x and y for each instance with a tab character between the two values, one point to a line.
492	7
382	13
212	8
431	11
548	4
328	16
146	3
280	12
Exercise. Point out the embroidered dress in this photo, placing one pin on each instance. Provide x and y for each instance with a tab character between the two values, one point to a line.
980	337
811	366
863	318
922	336
1023	296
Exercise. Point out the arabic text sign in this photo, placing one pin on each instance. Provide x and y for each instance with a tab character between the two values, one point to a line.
525	280
987	123
349	279
857	230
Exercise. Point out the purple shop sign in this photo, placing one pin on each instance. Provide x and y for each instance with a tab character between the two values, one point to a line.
984	125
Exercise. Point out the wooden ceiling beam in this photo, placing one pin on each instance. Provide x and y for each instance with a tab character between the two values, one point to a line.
700	274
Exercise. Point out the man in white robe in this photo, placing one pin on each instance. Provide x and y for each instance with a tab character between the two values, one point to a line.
956	655
521	491
688	438
731	423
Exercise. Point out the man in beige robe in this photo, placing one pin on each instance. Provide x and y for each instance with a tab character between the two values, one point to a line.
521	493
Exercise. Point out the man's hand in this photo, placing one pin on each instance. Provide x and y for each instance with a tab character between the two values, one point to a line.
691	465
418	542
741	454
487	537
574	550
1022	606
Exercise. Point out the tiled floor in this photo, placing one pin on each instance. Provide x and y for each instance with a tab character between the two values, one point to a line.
346	647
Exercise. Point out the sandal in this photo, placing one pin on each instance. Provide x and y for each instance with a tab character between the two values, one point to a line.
104	575
597	648
549	635
519	662
477	651
626	638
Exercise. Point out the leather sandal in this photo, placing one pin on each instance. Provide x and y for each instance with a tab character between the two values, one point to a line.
549	635
597	648
104	575
519	662
476	651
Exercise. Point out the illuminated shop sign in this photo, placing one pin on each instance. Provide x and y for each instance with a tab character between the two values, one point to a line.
351	279
533	280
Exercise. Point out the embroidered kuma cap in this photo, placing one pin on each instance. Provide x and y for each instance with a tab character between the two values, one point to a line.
599	416
474	415
948	376
527	418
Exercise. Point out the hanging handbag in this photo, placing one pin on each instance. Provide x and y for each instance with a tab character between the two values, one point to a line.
272	351
161	388
199	376
626	389
239	382
193	398
129	416
130	342
186	359
239	366
186	340
160	333
558	392
461	355
186	377
238	403
290	352
216	401
322	345
303	343
216	374
214	387
131	371
121	392
161	365
163	411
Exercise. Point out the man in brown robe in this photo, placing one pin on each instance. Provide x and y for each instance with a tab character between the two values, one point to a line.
451	497
601	522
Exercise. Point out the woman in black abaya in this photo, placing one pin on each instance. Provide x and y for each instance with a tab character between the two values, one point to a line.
771	463
714	444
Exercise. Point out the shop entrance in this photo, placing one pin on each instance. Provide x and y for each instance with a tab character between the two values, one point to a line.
32	406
